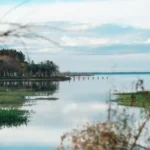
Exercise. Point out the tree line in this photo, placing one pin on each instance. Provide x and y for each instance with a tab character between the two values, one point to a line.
14	64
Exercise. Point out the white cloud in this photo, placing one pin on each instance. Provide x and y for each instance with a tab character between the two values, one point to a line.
48	50
86	41
125	12
4	27
148	41
81	27
78	28
82	16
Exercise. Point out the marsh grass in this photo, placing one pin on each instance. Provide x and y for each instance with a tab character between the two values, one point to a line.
13	117
12	99
134	99
19	97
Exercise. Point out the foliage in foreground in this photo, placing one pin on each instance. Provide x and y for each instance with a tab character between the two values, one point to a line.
119	134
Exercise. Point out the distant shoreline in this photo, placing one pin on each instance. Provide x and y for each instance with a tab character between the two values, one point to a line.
112	73
35	79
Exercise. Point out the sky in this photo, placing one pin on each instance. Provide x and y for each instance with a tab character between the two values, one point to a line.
80	35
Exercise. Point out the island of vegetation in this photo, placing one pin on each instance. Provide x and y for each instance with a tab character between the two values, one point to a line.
134	99
13	65
137	98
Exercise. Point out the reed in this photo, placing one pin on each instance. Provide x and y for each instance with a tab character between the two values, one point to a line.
13	117
134	99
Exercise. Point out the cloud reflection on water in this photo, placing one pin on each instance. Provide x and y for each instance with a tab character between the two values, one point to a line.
53	118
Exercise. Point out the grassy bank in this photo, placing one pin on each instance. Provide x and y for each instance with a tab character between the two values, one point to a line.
134	99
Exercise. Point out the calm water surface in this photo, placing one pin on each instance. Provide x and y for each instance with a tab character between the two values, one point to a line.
80	101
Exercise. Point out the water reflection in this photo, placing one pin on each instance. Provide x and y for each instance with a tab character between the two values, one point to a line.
34	85
78	103
15	95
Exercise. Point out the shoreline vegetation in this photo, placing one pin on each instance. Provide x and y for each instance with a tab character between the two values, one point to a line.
134	99
23	83
139	99
15	95
13	66
13	117
52	78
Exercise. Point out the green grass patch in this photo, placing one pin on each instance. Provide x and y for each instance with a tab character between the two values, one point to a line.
134	99
18	97
14	97
11	101
13	117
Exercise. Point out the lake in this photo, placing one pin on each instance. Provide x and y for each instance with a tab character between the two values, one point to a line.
58	107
